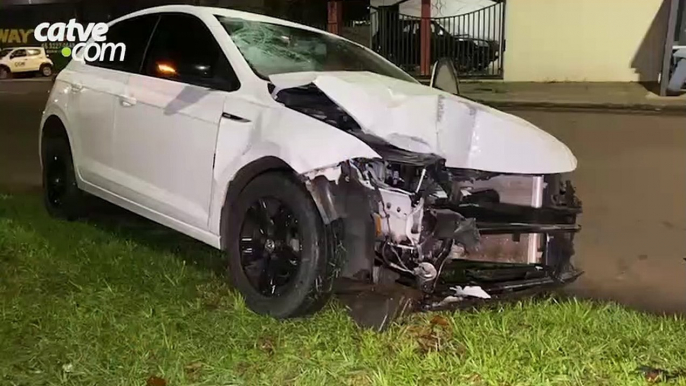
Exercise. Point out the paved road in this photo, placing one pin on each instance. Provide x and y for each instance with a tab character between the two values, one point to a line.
631	178
632	181
21	104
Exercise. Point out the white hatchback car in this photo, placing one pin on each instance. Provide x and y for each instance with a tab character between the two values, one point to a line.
19	60
307	157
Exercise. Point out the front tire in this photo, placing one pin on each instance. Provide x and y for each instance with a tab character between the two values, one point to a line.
46	70
279	253
61	195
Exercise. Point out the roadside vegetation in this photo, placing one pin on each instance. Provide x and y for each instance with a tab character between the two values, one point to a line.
117	300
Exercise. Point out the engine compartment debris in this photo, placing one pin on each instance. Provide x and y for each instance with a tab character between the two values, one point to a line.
425	215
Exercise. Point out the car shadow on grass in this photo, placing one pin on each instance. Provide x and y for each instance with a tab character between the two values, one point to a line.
123	223
26	207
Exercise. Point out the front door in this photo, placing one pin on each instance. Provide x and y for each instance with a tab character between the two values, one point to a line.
167	125
18	61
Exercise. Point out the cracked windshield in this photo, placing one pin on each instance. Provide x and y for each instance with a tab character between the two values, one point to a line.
276	49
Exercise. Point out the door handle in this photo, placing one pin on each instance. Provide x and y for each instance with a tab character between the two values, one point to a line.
234	117
76	87
127	101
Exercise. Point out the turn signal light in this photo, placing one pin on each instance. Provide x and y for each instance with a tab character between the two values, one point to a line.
165	69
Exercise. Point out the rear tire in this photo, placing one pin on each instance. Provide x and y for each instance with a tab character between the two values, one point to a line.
277	275
5	73
46	70
61	196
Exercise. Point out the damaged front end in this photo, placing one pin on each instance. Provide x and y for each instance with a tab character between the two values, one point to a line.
426	214
452	234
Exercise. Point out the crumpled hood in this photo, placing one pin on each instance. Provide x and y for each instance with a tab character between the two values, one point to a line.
418	118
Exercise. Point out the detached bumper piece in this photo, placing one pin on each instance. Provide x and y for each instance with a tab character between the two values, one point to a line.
502	281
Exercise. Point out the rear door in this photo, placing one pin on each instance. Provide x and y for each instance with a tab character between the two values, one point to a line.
95	91
33	59
167	125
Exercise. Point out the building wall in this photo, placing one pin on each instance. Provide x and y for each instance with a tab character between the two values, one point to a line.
584	40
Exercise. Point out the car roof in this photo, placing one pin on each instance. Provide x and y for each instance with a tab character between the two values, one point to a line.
212	11
22	48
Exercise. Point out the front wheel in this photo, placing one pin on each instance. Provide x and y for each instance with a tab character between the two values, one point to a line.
46	70
279	249
61	196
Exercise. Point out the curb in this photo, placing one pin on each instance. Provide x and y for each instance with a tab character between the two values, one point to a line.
608	107
638	107
21	80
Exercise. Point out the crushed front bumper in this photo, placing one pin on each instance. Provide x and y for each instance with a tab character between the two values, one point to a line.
556	227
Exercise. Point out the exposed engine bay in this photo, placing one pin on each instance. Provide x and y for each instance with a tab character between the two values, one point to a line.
452	233
435	228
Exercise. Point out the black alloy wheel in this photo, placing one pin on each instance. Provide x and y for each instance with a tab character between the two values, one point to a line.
270	246
61	195
279	251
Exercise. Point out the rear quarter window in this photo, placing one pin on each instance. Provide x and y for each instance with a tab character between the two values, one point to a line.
135	34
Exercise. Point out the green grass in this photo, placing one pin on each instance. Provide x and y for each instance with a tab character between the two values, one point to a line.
96	303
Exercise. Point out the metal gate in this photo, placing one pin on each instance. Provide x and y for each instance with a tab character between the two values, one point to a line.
475	41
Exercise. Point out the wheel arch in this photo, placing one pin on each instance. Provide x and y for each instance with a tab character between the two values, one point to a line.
241	179
53	127
353	228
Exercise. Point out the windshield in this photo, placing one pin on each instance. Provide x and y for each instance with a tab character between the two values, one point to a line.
276	49
4	52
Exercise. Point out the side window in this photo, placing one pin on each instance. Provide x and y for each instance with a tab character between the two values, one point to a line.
33	52
134	33
18	54
183	49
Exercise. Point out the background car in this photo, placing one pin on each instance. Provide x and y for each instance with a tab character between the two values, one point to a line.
22	60
399	41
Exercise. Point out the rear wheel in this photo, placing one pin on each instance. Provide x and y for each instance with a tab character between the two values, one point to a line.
46	70
61	196
5	72
278	248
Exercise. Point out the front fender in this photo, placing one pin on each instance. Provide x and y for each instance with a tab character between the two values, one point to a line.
301	142
57	105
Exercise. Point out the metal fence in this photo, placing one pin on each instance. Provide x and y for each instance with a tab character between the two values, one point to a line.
396	37
358	31
474	41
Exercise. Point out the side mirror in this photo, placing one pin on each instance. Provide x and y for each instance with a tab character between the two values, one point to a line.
444	76
197	71
218	76
204	71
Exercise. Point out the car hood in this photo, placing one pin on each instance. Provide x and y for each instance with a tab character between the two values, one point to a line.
425	120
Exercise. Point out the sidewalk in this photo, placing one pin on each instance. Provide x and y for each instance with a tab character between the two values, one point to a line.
602	96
